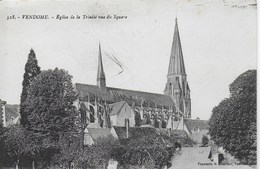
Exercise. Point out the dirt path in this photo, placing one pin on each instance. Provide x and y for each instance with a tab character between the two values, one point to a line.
197	158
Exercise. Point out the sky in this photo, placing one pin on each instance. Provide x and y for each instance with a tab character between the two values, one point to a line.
218	44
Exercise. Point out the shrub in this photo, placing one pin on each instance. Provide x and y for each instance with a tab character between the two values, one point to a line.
205	141
146	151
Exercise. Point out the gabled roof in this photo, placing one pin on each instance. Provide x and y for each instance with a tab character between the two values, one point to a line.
176	65
99	132
116	108
201	124
135	132
112	95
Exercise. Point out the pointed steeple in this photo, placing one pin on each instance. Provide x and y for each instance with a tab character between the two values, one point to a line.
176	65
101	79
177	85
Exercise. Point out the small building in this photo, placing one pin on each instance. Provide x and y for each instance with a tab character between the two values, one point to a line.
196	128
119	112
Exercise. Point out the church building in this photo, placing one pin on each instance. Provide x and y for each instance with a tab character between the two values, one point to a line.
107	106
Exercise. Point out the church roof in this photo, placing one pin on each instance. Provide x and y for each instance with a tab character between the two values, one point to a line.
176	65
201	124
112	95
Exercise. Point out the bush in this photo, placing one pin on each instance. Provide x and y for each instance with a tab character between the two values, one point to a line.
205	141
99	154
146	151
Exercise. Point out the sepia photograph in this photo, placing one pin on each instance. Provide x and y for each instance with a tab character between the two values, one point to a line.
134	84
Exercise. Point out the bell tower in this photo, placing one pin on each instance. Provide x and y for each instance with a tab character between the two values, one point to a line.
177	85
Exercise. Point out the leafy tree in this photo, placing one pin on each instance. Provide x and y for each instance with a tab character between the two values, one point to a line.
70	150
233	121
51	113
73	153
205	140
18	145
31	71
50	104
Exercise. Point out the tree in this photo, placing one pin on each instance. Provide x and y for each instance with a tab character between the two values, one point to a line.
233	121
50	104
95	156
51	112
70	150
31	71
18	145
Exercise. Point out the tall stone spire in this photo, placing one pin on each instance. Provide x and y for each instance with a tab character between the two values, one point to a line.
101	79
176	65
177	85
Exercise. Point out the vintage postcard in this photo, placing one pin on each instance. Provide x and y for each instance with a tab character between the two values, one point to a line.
128	84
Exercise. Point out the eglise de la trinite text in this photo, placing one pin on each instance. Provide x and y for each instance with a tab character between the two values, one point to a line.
64	17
